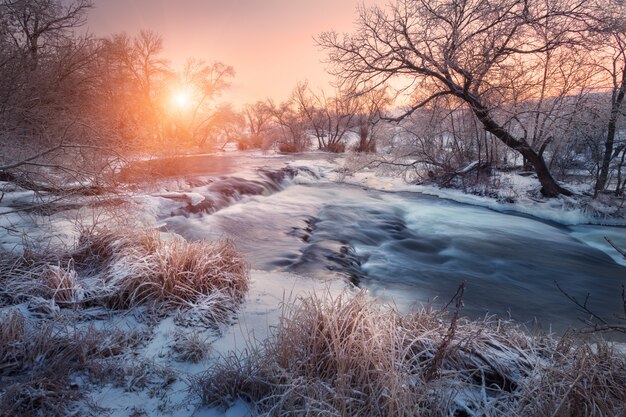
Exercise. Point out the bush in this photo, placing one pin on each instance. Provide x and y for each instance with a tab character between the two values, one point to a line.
288	148
337	147
251	142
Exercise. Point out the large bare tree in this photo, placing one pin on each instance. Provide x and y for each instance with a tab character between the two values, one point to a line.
474	51
36	25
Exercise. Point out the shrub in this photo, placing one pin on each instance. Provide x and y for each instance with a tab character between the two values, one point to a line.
337	147
251	142
288	148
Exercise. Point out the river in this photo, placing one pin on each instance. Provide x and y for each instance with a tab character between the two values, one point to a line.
404	247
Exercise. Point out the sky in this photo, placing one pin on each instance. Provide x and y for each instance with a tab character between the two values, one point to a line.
270	43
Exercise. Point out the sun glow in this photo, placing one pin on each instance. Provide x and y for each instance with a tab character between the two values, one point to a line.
181	99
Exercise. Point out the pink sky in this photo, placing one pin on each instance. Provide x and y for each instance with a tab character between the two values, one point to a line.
268	42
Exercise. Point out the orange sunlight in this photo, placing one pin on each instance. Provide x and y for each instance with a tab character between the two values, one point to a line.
181	98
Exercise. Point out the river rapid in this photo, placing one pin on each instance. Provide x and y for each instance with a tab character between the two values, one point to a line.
403	247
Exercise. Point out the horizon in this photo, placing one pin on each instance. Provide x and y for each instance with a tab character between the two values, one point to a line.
269	43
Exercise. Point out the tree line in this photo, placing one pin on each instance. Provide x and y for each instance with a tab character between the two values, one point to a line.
439	87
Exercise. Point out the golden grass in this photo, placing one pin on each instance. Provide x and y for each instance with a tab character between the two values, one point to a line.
121	270
180	273
577	381
348	356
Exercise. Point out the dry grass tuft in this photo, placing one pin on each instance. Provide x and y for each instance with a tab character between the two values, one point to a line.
62	285
180	273
38	359
349	356
123	270
577	381
190	347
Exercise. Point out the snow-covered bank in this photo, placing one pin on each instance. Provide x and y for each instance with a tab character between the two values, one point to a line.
315	224
255	321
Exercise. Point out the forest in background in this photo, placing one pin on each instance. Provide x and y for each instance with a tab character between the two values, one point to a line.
440	90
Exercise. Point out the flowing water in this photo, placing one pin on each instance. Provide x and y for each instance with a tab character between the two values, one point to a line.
405	247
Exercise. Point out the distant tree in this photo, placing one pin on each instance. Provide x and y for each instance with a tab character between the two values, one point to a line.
481	53
203	84
224	125
258	120
134	74
291	128
258	117
329	118
372	105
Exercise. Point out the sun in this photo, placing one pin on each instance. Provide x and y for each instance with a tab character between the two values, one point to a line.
181	99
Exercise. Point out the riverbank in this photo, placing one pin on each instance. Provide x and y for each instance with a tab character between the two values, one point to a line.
296	226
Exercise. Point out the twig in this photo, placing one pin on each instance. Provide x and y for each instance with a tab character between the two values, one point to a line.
601	324
442	349
620	251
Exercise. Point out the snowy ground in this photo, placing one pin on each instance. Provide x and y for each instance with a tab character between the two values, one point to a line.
259	314
262	307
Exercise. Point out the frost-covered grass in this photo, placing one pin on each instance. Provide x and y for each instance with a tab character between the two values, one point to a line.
348	355
124	269
190	346
39	360
65	313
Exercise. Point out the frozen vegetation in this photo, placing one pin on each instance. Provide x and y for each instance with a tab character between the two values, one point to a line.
110	317
441	233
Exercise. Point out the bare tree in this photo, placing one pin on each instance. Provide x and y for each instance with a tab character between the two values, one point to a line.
470	50
610	35
329	118
134	74
371	105
36	25
258	119
204	83
47	96
222	126
291	129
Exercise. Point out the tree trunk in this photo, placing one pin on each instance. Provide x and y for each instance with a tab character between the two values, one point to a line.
549	186
616	104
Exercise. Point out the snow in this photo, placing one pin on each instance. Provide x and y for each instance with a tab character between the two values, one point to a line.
191	198
270	290
259	314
